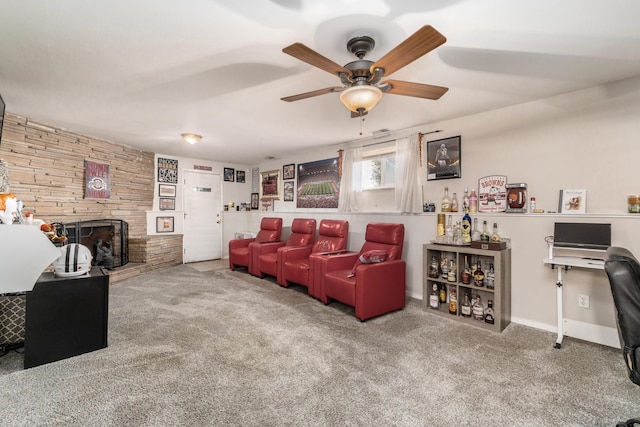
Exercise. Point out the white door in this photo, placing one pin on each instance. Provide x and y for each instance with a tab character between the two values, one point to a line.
202	226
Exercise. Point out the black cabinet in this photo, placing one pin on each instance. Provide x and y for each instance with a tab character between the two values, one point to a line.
66	317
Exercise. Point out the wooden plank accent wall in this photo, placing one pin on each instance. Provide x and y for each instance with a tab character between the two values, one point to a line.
46	172
156	250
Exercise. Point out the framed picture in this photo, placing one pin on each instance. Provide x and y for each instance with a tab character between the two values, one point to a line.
167	170
288	191
255	201
164	224
229	174
167	204
270	185
318	184
167	190
289	171
572	201
240	176
443	158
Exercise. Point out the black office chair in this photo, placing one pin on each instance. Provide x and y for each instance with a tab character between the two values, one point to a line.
623	271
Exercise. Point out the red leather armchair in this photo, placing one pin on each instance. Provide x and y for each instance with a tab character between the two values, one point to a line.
376	288
267	256
297	263
239	249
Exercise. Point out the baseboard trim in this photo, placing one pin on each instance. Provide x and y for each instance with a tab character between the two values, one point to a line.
536	325
604	335
581	330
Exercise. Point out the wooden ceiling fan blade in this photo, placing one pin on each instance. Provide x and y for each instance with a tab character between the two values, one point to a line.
311	57
311	94
419	43
418	90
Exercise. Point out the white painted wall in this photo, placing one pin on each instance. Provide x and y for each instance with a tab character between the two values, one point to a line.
585	139
231	191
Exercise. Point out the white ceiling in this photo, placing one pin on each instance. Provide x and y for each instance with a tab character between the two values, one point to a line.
141	72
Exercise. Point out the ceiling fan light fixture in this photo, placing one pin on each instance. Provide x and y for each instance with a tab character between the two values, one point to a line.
360	97
191	138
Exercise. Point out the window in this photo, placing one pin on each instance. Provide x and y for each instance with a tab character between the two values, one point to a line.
379	167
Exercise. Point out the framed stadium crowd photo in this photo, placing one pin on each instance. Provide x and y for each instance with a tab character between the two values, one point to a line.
318	184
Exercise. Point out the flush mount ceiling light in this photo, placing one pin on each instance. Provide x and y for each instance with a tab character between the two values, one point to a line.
191	138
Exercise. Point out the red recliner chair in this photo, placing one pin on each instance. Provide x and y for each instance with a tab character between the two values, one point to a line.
240	249
297	263
267	256
373	280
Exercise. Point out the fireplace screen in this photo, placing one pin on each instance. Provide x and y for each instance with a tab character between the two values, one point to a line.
108	240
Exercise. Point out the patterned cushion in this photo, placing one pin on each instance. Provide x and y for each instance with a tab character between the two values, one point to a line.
13	308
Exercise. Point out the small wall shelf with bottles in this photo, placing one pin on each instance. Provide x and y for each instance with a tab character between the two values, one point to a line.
451	283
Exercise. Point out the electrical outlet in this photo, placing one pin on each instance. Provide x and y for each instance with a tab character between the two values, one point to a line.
583	301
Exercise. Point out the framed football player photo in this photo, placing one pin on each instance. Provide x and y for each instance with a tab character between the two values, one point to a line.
443	158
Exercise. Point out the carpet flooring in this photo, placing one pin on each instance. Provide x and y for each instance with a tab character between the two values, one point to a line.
200	345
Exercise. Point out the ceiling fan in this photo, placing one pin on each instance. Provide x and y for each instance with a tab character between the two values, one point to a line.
362	88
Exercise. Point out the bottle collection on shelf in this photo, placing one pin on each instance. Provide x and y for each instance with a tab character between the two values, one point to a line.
461	232
474	275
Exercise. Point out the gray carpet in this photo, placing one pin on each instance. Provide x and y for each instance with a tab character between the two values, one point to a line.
199	345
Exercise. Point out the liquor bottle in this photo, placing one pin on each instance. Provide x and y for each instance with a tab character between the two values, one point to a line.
453	300
474	266
457	233
454	203
473	201
466	272
478	309
465	201
495	236
441	231
465	307
489	317
446	201
444	266
434	268
443	293
449	230
490	277
484	236
478	276
466	228
434	299
475	234
451	276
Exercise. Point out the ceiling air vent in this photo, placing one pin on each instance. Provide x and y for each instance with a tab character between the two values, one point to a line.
381	132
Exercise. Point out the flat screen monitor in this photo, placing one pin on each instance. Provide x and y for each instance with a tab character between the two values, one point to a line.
582	235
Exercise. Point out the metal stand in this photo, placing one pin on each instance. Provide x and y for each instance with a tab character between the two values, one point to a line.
558	343
566	263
